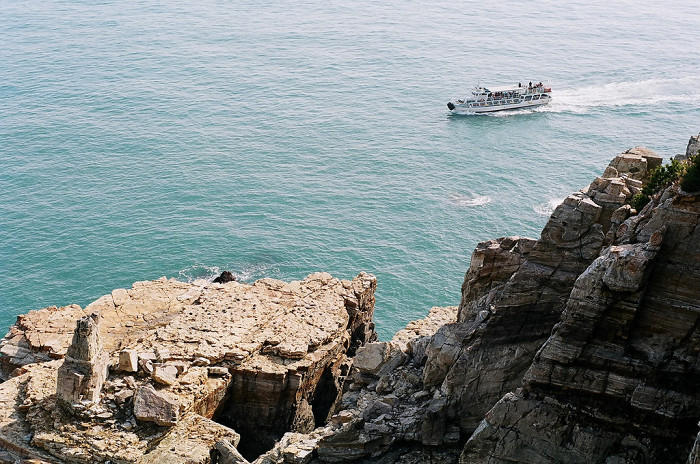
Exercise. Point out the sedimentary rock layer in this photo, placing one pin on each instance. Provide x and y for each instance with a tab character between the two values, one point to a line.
618	378
265	358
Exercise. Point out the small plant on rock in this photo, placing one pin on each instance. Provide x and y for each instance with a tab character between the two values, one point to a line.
691	179
660	178
639	201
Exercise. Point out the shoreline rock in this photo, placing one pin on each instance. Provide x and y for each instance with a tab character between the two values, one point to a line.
581	346
264	358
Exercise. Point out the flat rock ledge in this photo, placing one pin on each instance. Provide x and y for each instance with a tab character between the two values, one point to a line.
163	371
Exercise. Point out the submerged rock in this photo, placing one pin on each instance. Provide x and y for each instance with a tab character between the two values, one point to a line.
225	277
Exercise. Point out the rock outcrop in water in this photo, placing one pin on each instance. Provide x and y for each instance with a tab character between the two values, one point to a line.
580	346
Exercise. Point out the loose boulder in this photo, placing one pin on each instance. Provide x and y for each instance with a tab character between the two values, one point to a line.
153	406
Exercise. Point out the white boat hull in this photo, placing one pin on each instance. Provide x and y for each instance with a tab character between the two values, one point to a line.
463	108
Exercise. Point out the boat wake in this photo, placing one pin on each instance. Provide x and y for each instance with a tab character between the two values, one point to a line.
546	209
468	201
650	92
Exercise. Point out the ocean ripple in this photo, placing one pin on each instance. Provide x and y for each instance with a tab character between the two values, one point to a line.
469	200
546	209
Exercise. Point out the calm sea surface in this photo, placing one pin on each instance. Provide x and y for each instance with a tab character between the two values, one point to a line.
276	139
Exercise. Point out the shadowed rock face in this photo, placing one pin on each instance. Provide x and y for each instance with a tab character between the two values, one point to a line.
513	294
266	399
618	378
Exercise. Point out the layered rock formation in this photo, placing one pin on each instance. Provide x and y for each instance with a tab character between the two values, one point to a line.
618	378
264	358
577	347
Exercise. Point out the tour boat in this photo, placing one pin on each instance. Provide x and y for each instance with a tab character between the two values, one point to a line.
485	100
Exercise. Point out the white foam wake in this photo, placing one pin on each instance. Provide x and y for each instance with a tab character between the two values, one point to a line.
202	271
546	209
199	271
474	200
645	93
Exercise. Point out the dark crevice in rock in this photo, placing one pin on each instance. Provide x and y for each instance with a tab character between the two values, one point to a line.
325	397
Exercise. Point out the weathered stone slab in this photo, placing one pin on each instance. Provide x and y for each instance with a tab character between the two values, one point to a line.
128	361
190	441
164	374
269	349
153	406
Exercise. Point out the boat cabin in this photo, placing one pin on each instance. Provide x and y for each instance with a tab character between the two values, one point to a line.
510	95
486	100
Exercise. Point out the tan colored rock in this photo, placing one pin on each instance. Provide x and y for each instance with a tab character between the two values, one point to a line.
128	361
217	371
256	332
635	163
190	441
84	370
164	374
159	407
414	338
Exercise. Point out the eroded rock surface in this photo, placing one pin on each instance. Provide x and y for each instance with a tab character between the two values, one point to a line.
579	347
84	371
513	295
617	380
262	358
386	406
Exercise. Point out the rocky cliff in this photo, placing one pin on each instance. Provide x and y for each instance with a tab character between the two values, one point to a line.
617	380
580	346
162	371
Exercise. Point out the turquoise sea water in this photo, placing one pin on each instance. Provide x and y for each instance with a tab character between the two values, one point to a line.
276	139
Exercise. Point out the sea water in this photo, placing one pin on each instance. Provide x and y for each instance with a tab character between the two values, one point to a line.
277	139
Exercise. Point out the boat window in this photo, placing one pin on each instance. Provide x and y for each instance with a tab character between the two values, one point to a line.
536	97
528	98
